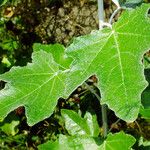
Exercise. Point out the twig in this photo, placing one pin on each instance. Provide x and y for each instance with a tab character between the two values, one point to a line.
114	124
114	14
104	107
92	91
101	13
140	130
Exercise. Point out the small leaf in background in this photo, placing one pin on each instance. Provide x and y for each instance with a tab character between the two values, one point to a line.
76	125
145	113
9	44
145	98
144	144
10	128
118	141
6	62
3	2
71	143
132	3
9	124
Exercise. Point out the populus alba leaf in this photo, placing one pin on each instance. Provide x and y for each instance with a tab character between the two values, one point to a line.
114	56
36	86
118	141
76	125
71	143
113	142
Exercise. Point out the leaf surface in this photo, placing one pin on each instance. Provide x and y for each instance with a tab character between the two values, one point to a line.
36	86
145	110
113	142
118	141
76	125
71	143
114	56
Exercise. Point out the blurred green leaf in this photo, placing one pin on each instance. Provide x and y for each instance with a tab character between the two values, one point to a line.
3	2
144	144
9	124
145	99
116	141
76	125
145	113
71	143
130	3
10	128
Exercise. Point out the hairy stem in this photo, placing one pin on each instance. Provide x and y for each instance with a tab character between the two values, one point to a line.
101	13
92	91
114	14
104	107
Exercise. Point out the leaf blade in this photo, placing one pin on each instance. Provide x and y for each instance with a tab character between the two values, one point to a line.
114	55
36	86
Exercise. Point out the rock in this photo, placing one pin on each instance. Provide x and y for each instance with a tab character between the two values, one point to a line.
71	19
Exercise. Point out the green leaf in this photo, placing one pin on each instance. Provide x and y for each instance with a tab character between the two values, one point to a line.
10	123
113	142
3	2
145	110
145	113
134	1
36	86
143	144
114	56
146	98
70	143
58	52
118	141
80	126
130	3
10	128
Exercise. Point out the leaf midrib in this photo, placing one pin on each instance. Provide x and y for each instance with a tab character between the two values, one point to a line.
120	64
28	93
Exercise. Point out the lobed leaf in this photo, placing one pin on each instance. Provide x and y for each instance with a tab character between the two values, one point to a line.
36	86
114	56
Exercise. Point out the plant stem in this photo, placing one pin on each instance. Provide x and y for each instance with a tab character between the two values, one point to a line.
114	14
114	124
101	13
104	107
92	91
104	120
